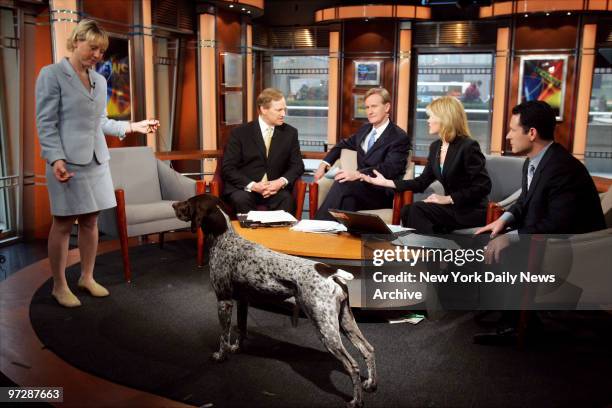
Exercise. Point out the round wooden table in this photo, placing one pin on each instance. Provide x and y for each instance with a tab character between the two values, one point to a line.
332	247
342	250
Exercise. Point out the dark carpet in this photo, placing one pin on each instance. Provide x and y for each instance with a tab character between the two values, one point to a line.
157	334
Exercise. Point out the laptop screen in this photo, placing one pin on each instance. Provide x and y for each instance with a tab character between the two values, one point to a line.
360	223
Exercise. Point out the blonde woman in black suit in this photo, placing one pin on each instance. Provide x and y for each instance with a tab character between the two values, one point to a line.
456	161
71	121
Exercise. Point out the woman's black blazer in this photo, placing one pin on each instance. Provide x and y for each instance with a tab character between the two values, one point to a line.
463	175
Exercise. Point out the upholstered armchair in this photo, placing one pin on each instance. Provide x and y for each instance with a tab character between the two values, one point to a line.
299	190
145	189
580	264
348	161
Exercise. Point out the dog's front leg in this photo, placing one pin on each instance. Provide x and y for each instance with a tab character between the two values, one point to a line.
243	311
224	309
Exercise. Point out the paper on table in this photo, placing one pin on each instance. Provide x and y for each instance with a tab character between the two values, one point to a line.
318	226
270	216
399	228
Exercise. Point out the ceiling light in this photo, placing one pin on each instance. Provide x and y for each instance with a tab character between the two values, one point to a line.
231	6
548	14
569	13
526	15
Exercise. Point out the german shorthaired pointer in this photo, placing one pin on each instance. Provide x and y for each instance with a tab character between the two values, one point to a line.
240	268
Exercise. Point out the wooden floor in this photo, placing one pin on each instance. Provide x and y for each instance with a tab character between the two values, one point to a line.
26	361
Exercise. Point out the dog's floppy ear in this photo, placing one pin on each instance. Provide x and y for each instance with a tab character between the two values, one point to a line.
195	215
216	222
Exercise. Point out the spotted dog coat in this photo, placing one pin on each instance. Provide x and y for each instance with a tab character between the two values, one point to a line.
240	268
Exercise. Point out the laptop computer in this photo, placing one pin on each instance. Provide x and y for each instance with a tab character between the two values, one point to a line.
363	223
358	223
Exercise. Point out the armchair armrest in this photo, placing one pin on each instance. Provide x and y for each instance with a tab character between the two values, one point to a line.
511	199
494	211
313	199
299	195
216	184
173	185
400	200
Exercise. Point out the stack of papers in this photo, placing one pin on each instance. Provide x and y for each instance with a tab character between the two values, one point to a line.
319	227
268	217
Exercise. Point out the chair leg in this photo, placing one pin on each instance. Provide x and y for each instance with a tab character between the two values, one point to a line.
201	189
200	248
123	237
161	240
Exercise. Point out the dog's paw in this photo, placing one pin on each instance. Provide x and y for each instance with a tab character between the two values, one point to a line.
219	356
369	385
354	403
235	348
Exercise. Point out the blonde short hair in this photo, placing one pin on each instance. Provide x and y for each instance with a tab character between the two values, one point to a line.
384	94
267	96
453	120
90	31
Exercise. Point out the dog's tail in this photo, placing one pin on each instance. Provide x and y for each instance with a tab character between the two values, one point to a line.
339	276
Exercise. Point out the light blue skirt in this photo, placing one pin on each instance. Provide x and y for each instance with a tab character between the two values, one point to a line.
89	190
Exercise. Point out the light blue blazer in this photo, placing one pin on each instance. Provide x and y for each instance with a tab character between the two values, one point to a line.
71	121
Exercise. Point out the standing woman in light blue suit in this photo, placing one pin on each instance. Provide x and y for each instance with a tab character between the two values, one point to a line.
71	121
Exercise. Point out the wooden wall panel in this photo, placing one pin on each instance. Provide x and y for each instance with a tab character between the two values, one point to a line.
36	210
541	33
228	31
366	40
498	117
332	97
186	137
229	37
546	35
118	11
371	36
585	85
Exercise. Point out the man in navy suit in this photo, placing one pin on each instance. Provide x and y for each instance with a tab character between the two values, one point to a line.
262	159
380	145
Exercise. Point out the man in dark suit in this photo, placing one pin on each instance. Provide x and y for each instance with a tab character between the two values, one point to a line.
558	194
262	159
380	145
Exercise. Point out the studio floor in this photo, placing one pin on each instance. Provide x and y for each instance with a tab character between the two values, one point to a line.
149	345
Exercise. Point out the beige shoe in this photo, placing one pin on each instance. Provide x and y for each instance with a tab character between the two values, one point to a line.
94	288
66	299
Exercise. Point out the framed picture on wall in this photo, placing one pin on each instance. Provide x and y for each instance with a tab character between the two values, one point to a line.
233	107
116	68
367	72
359	111
232	69
542	78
